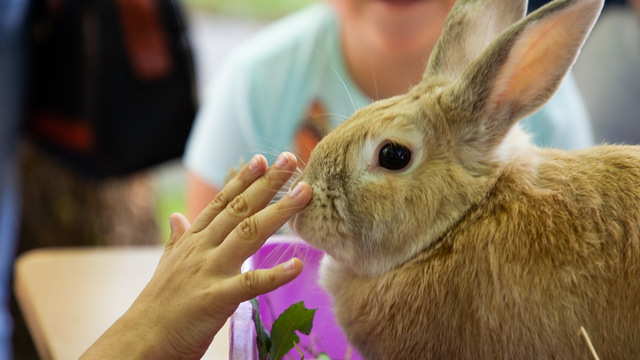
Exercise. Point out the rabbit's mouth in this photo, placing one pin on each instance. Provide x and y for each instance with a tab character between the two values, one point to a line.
319	233
301	225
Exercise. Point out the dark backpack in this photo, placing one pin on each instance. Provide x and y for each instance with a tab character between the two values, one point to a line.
113	88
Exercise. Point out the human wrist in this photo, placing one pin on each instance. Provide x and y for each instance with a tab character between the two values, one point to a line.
130	337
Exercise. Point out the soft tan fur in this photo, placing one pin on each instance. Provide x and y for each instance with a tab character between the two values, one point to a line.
484	246
549	249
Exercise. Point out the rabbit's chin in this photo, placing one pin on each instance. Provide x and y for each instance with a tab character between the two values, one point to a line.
337	246
340	248
299	224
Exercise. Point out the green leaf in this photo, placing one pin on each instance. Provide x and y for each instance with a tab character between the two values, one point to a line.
262	336
283	336
323	356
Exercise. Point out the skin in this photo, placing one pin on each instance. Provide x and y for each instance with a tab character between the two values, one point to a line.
386	46
198	283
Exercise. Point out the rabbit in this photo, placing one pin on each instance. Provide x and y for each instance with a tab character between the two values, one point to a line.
449	235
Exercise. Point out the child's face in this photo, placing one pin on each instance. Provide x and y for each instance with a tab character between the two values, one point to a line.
397	26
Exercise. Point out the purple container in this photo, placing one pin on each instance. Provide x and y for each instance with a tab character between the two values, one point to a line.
326	336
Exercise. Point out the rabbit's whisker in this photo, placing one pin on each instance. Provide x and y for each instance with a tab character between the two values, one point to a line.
339	77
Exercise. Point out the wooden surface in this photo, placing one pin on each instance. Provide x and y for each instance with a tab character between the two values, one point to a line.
69	297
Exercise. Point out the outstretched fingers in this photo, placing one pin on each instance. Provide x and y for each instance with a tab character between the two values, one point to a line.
258	195
251	234
256	167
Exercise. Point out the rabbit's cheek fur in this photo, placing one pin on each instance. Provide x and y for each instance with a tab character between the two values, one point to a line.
372	219
378	222
322	225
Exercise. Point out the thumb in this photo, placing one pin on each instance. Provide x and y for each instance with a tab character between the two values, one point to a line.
250	284
179	225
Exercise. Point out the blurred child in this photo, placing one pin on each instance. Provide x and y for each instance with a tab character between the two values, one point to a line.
308	72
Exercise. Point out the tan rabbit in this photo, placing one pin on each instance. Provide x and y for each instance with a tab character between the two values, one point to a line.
449	235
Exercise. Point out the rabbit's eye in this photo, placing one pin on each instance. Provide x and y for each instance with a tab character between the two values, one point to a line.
394	156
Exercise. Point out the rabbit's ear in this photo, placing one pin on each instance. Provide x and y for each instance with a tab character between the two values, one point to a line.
522	69
469	27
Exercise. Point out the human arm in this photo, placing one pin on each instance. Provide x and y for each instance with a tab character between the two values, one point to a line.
198	283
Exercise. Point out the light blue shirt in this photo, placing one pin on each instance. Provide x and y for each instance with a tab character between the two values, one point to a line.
267	85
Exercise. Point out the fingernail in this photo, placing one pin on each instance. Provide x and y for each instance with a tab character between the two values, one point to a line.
254	163
296	190
282	160
171	223
288	266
